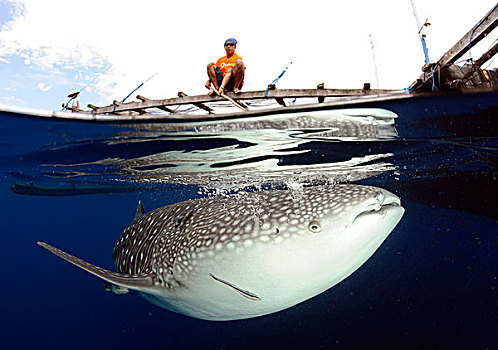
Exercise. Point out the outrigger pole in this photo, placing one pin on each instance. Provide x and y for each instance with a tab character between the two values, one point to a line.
138	87
280	76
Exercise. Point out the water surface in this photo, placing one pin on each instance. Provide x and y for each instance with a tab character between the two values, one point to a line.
432	283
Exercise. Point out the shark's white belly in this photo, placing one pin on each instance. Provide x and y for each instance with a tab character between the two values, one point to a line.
280	275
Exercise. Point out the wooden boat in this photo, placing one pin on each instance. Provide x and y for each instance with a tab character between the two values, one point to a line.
251	103
441	77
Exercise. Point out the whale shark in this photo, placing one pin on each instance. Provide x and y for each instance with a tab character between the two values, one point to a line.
246	255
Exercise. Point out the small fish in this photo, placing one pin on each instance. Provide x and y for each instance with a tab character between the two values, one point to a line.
248	254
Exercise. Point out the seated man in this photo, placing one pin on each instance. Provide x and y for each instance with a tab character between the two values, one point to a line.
73	95
228	72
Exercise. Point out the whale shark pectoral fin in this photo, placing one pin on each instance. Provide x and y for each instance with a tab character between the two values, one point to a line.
245	293
140	210
137	282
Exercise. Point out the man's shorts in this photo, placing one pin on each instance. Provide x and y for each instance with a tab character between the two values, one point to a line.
231	83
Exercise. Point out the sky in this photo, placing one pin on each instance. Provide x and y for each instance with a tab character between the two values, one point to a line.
107	48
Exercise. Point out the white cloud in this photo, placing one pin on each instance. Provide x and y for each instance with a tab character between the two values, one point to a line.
3	60
43	87
6	101
127	43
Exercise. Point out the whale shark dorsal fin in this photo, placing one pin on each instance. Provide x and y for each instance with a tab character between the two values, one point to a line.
136	282
140	210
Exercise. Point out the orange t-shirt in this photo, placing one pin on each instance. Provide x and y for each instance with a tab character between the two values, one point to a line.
225	64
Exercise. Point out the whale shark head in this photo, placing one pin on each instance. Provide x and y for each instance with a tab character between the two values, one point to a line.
346	226
296	246
247	255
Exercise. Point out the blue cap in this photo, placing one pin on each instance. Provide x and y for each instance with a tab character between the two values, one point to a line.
233	40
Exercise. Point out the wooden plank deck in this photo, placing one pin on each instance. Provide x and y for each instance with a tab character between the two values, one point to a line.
201	100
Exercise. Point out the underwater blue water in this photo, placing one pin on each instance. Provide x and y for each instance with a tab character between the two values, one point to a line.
432	283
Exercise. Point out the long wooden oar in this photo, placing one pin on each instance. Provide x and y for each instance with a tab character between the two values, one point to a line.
243	107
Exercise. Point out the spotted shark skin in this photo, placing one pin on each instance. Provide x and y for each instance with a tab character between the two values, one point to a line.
250	254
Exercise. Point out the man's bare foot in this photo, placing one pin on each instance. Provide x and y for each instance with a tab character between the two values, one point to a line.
211	92
236	91
208	85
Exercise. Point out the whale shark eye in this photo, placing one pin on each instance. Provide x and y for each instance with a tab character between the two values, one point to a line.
314	226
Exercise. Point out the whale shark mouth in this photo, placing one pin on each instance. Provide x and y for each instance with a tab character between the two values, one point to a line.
384	203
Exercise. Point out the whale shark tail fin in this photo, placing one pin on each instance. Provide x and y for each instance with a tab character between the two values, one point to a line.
137	282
